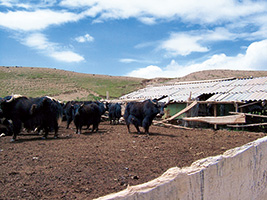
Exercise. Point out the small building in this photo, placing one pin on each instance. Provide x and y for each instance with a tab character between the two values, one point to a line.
212	98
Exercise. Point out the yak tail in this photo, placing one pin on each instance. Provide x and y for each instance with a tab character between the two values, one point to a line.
60	117
59	120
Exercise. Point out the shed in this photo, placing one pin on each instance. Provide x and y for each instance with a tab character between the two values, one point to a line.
214	98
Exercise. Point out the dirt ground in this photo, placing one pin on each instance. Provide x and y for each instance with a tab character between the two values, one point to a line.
91	165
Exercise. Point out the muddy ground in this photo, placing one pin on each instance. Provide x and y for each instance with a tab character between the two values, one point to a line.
91	165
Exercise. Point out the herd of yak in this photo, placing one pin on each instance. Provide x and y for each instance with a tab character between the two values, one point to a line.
46	113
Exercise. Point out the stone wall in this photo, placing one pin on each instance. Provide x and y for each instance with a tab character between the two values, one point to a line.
239	173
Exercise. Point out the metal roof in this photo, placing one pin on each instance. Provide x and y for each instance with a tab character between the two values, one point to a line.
249	89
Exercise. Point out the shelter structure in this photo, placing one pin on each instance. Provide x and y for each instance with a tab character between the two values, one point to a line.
230	102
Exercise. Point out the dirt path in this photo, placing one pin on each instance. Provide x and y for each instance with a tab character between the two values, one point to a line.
90	165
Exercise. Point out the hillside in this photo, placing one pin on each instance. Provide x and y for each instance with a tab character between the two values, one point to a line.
219	74
64	85
67	85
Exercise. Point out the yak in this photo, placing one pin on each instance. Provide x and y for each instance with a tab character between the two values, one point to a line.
86	115
114	112
142	113
42	112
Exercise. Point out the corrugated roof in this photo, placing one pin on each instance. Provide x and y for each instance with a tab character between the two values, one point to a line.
251	89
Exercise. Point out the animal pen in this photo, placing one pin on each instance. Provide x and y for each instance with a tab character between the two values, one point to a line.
220	103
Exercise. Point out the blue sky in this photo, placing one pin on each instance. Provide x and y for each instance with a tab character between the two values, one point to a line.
140	38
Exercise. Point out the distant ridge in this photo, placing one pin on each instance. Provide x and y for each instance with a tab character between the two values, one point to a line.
219	74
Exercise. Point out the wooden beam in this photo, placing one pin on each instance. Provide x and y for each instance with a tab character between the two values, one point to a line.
249	104
247	125
182	111
231	119
248	114
170	125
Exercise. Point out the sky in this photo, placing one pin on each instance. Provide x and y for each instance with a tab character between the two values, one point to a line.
138	38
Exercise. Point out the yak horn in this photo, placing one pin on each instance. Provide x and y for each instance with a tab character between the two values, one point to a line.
163	97
8	101
15	96
153	101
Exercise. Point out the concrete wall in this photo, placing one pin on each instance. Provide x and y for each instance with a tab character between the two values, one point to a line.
238	174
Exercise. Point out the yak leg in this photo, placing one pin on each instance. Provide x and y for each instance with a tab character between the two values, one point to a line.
137	128
56	131
127	123
133	120
69	120
128	127
78	129
145	124
46	129
16	128
95	127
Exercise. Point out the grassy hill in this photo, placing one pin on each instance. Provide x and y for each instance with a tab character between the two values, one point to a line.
219	74
66	85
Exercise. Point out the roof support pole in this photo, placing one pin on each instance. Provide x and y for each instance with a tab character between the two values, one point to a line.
215	114
236	106
236	109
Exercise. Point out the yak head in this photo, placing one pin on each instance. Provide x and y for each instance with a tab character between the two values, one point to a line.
78	108
8	102
159	106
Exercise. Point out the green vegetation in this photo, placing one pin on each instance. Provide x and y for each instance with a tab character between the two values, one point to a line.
100	85
35	82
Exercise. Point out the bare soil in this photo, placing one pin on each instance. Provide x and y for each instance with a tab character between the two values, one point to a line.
91	165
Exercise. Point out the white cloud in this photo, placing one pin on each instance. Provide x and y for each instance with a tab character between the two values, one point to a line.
77	3
231	13
254	59
35	20
183	44
7	3
132	60
219	34
150	71
148	12
28	5
148	20
12	4
210	11
67	56
85	38
39	42
128	60
255	56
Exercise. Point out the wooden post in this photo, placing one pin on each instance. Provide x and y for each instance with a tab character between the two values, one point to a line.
236	110
107	94
215	114
236	106
186	124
